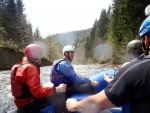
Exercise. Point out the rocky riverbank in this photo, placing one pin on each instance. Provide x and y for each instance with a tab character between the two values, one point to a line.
9	57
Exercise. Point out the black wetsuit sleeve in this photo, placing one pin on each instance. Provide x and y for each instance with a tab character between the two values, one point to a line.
126	82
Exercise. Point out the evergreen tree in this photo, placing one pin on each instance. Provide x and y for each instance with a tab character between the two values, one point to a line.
2	19
125	22
102	26
37	35
89	45
20	7
53	49
109	12
13	24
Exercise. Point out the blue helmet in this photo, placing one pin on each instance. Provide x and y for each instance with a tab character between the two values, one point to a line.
145	27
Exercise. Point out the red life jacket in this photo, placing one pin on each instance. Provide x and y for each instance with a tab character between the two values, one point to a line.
19	90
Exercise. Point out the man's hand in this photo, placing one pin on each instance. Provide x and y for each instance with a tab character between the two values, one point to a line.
108	78
94	83
61	88
70	104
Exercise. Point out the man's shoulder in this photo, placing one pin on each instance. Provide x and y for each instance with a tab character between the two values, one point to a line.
63	62
146	57
57	61
28	66
125	63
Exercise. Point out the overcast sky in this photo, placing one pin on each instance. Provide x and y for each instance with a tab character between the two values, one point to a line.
58	16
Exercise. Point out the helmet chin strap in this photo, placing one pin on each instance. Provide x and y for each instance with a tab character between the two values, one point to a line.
145	47
68	56
34	61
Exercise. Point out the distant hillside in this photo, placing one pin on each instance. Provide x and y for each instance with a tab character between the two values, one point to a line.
55	43
71	37
101	51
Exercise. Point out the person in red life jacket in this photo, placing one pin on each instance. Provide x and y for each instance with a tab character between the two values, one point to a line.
29	95
63	72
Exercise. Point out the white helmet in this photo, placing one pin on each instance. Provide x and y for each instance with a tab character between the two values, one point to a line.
68	48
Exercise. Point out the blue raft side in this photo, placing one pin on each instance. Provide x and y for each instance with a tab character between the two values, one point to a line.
48	109
97	77
103	84
100	78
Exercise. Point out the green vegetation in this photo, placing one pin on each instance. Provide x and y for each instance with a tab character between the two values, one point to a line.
53	49
116	27
124	25
109	35
15	31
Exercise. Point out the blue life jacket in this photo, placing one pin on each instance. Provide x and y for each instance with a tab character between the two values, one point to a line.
57	77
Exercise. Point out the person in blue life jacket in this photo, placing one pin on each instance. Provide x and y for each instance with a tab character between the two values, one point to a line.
62	71
135	50
131	83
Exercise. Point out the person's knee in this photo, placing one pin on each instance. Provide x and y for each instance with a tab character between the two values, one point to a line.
87	88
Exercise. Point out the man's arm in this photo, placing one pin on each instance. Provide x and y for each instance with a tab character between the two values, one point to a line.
67	69
91	104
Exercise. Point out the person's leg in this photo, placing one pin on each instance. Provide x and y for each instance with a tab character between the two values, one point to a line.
72	90
36	105
60	103
85	88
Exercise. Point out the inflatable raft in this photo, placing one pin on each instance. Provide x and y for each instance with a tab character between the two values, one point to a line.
97	77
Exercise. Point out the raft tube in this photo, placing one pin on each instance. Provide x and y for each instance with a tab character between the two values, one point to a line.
100	78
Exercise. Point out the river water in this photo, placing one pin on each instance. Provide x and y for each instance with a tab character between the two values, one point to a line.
6	99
